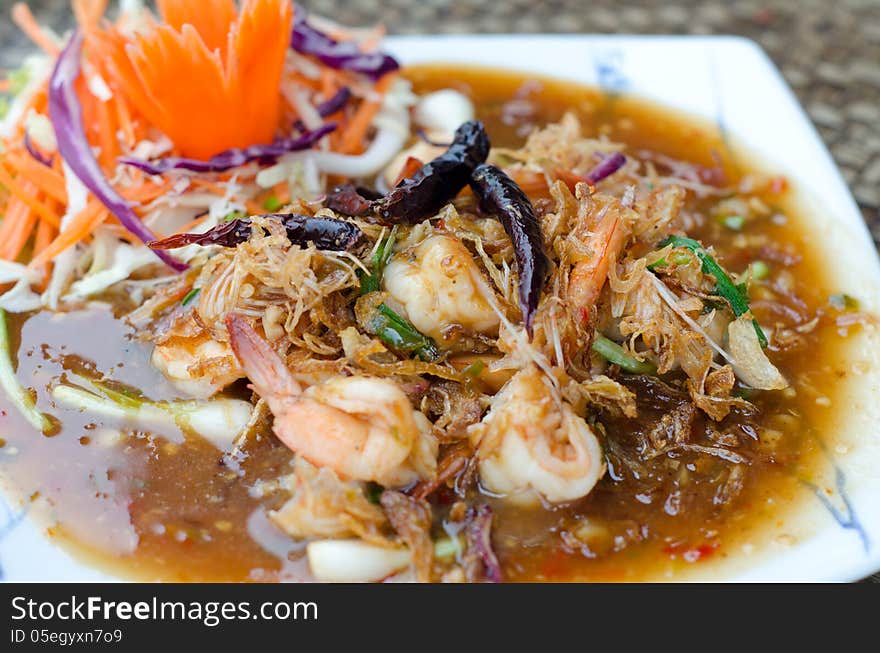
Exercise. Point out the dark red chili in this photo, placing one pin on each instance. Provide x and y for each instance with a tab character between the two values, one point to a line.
346	199
325	233
438	181
499	194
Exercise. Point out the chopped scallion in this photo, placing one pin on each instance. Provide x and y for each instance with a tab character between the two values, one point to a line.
272	203
233	215
373	281
398	332
191	295
614	353
844	302
20	396
735	294
373	491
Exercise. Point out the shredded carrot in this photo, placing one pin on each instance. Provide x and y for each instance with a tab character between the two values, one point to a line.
89	12
79	228
124	234
282	192
106	135
48	180
356	131
254	208
22	16
210	186
329	83
123	117
22	221
189	226
45	234
26	193
302	80
146	192
7	225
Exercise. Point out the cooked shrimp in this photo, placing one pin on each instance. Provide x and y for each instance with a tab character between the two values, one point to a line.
438	284
531	446
199	366
601	246
362	428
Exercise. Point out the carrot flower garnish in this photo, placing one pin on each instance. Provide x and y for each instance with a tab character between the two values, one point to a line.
208	76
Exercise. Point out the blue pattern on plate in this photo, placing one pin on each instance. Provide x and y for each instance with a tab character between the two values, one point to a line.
608	65
845	516
9	519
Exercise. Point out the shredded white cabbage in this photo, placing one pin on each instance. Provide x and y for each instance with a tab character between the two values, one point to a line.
65	263
39	129
392	131
37	69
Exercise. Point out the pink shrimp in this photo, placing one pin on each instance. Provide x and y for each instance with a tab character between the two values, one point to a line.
363	428
602	247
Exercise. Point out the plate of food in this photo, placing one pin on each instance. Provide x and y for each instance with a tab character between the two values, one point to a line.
285	300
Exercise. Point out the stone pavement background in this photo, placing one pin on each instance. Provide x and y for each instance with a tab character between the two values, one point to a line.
828	51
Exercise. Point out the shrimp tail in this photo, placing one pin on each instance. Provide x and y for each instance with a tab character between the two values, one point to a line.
266	370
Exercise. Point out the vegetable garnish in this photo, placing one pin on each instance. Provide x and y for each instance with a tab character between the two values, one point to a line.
34	152
843	302
735	295
208	77
398	332
272	203
233	158
329	107
20	397
500	195
373	281
73	146
190	296
217	420
306	39
614	353
607	167
326	233
390	327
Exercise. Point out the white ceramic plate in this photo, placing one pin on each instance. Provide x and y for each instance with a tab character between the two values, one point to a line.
731	82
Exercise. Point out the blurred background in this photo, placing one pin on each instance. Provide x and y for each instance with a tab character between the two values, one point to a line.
828	51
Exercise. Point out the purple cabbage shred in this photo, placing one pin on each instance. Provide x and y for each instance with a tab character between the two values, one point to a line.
232	158
341	55
34	152
328	107
605	168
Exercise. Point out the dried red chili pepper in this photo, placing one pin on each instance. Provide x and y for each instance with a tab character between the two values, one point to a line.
439	180
500	195
325	233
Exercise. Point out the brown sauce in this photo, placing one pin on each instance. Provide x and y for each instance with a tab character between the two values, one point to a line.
154	507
